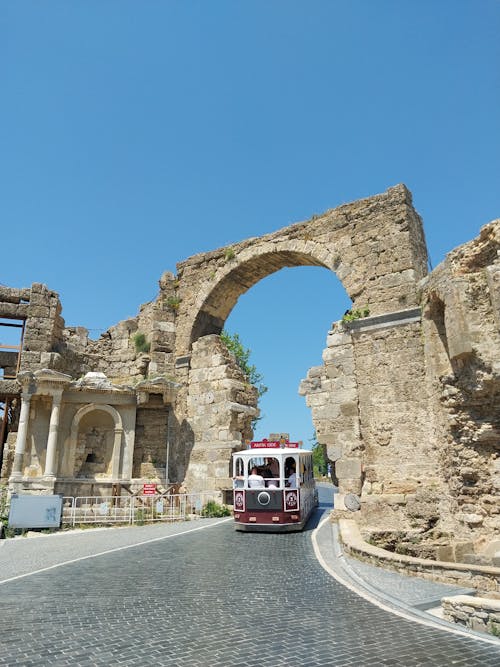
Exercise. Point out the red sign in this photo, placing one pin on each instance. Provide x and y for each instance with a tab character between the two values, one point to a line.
149	490
273	444
265	444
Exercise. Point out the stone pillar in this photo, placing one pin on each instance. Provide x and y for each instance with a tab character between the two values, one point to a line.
50	459
22	434
115	469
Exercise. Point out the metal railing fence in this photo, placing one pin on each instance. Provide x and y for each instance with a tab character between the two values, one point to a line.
138	509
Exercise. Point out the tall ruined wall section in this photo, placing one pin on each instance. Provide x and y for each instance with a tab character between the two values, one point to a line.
407	406
461	306
369	408
220	407
40	309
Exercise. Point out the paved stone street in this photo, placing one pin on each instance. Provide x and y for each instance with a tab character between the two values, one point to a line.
213	598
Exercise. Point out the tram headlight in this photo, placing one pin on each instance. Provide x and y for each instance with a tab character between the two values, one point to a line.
264	498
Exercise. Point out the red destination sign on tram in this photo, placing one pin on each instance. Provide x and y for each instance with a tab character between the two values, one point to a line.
265	444
273	444
149	489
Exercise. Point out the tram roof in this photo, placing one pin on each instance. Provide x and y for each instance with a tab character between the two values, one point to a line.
269	452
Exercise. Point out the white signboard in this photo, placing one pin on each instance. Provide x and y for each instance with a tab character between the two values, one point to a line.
35	511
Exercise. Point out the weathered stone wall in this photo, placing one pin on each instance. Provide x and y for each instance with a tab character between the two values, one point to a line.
116	352
480	614
461	302
220	408
369	407
40	309
331	392
151	434
422	448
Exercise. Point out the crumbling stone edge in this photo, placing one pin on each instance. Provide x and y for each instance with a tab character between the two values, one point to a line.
484	579
476	613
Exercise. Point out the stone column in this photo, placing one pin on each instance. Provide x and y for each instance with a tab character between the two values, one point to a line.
22	434
115	469
50	459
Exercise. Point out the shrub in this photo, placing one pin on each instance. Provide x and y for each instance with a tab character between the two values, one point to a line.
357	314
141	344
213	509
173	302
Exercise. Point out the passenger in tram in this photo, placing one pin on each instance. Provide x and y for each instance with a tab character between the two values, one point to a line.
255	481
273	476
292	478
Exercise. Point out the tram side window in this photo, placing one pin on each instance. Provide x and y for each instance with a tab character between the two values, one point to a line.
239	473
307	469
291	472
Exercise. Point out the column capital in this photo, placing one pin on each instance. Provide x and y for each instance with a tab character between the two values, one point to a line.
56	396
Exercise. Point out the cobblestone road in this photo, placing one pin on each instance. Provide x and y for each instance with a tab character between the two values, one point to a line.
213	598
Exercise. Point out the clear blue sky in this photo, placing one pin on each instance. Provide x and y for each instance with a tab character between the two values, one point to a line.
134	134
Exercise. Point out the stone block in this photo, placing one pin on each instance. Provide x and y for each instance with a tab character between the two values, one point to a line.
446	553
335	339
348	468
393	498
477	624
334	452
331	411
166	327
461	549
350	486
404	486
349	408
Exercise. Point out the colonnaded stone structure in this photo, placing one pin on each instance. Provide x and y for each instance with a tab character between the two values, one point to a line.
405	403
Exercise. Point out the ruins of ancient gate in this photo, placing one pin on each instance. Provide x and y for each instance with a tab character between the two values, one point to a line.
405	402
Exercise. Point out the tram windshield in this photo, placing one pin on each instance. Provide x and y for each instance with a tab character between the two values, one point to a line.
269	472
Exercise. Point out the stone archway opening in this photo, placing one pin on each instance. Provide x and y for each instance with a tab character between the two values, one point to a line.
284	320
221	300
221	404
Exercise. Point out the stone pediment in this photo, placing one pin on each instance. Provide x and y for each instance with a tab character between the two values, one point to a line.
95	381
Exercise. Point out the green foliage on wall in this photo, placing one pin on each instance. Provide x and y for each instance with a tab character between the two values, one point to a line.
242	354
141	344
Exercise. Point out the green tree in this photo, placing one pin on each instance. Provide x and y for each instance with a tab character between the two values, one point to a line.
320	464
242	354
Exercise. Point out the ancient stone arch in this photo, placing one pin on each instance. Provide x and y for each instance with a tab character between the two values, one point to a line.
214	304
376	247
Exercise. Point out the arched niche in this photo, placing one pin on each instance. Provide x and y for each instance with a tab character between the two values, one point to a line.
95	447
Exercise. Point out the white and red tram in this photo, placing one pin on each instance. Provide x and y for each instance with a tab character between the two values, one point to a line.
273	487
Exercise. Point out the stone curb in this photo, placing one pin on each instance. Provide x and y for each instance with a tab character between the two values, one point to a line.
340	564
455	573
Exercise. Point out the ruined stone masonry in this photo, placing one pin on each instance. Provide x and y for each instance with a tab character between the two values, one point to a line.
405	402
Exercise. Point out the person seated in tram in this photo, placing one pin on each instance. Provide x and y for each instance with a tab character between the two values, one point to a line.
255	481
273	467
292	478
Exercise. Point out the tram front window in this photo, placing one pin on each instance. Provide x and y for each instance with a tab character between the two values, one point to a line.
271	472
